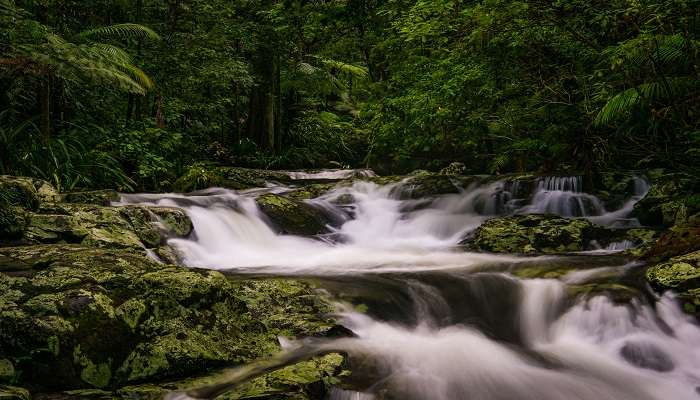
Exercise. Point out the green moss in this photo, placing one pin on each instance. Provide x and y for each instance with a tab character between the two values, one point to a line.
7	370
131	312
96	197
679	272
97	375
14	393
291	216
528	234
135	320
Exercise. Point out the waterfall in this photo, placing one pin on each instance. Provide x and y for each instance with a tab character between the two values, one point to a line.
444	324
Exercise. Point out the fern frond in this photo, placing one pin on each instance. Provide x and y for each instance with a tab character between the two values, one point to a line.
124	31
350	69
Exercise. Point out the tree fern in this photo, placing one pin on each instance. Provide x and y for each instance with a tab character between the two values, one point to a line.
123	31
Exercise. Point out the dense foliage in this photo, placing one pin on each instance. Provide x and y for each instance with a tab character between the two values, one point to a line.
129	93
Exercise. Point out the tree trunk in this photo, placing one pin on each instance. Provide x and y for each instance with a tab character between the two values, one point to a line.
264	118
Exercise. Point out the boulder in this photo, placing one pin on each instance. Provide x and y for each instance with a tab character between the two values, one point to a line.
130	226
674	242
74	317
26	192
673	199
682	275
201	176
532	234
97	197
293	217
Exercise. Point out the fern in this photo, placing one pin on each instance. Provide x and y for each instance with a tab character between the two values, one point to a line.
623	103
124	31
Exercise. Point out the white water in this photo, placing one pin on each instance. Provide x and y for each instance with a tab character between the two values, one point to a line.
551	350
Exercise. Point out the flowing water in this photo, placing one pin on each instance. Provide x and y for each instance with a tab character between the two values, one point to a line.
443	323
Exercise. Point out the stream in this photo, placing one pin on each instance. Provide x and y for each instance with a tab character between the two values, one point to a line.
432	321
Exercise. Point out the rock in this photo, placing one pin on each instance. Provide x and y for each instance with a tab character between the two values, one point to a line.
77	317
7	370
97	197
13	221
201	176
676	241
533	233
455	168
14	393
130	226
291	216
312	191
426	184
673	199
681	274
26	192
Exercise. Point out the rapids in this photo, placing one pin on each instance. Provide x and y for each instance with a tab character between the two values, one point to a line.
444	324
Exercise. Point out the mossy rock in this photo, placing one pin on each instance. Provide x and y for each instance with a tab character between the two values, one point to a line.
618	293
75	317
312	191
130	226
676	241
679	273
26	192
13	221
532	234
291	216
14	393
427	184
97	197
201	176
682	275
673	199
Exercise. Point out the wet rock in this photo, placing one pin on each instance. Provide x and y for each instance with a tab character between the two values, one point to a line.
647	356
682	275
84	317
616	292
202	176
291	216
673	199
14	393
311	191
97	197
532	234
676	241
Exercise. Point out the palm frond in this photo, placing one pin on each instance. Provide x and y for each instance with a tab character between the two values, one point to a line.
623	103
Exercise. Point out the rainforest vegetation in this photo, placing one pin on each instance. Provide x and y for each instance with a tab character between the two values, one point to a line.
129	94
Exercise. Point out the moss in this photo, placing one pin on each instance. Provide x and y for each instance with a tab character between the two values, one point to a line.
96	197
311	191
678	273
14	393
528	234
291	216
131	312
617	292
202	176
7	370
137	319
681	274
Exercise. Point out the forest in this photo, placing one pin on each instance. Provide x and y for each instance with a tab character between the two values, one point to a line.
130	94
